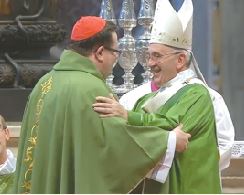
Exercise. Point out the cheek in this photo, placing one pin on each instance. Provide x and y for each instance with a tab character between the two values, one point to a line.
109	68
167	73
1	141
165	69
170	68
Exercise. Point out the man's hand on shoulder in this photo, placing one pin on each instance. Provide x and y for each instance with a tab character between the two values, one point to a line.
109	107
181	138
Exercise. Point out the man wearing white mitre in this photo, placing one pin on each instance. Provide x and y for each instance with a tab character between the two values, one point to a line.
171	37
225	128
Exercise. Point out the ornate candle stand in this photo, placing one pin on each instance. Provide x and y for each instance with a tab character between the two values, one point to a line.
107	12
145	18
131	51
127	59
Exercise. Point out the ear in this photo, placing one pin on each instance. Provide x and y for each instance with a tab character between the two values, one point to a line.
181	63
7	135
99	54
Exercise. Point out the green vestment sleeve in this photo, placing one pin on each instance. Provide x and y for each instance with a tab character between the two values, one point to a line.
65	147
197	167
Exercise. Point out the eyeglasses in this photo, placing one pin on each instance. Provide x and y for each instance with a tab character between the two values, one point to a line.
113	50
156	57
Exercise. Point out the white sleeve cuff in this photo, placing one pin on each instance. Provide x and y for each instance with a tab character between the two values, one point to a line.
161	171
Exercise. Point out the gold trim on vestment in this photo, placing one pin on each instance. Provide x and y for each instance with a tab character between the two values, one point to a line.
32	140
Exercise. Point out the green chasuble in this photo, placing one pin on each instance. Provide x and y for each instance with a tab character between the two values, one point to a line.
65	147
196	170
6	183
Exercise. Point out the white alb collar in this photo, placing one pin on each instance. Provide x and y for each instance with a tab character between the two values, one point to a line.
9	165
181	77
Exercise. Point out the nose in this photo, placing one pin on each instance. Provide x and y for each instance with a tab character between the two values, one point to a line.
151	63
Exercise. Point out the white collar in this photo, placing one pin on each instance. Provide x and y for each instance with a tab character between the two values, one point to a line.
9	165
181	77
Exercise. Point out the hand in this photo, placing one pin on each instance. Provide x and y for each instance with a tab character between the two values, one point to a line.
181	138
108	107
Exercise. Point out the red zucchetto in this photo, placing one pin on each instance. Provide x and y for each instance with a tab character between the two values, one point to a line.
86	27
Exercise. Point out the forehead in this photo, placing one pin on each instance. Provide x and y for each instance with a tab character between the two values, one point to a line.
159	48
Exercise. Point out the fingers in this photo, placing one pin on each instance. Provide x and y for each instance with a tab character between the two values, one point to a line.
188	135
186	143
104	99
102	110
106	115
181	139
179	128
104	105
185	147
112	96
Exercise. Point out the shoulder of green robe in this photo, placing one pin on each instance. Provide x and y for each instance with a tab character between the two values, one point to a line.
90	86
195	88
77	84
190	92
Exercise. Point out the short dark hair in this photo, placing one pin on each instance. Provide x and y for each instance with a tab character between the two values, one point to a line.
104	38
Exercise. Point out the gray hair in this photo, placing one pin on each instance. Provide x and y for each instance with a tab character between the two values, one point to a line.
186	52
3	122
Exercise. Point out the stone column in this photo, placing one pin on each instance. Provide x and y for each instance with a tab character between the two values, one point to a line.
233	61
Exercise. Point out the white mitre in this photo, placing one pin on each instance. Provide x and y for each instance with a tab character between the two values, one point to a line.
174	28
171	27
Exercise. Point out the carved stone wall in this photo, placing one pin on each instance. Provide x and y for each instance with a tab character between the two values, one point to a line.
28	29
